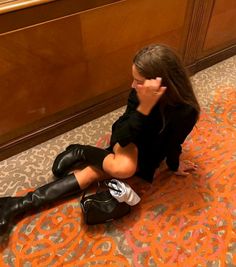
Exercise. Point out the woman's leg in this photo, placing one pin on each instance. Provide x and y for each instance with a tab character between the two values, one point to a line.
89	175
47	194
72	184
122	163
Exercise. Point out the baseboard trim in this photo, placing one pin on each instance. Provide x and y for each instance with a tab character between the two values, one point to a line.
212	59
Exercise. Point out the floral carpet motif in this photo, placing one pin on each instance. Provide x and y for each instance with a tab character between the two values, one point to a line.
179	222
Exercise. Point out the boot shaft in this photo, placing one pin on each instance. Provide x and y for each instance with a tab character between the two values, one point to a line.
51	192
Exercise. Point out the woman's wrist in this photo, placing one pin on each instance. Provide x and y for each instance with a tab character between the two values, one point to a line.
144	110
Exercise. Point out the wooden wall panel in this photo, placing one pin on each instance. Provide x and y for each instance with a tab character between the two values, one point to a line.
112	35
129	23
198	22
221	30
212	33
40	69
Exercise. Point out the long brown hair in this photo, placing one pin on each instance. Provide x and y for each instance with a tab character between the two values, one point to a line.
161	61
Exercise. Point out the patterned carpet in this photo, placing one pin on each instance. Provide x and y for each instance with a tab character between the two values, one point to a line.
179	222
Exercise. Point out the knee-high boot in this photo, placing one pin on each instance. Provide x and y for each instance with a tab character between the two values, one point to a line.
78	154
51	192
66	161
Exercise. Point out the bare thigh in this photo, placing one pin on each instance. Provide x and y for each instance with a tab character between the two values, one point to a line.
123	163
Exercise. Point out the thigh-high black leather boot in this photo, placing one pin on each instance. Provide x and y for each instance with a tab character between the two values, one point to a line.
77	154
10	207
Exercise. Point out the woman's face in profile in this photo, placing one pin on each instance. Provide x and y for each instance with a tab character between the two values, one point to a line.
137	78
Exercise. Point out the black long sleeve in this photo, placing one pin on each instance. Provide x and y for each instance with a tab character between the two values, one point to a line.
181	125
131	124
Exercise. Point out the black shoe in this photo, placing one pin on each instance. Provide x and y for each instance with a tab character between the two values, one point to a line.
73	157
14	206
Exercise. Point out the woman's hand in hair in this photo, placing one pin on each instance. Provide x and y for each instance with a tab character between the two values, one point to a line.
149	94
185	167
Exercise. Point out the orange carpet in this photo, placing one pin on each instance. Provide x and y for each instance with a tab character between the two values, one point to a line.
179	222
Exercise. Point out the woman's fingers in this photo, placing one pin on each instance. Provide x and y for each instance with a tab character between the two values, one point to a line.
185	167
151	87
189	165
181	173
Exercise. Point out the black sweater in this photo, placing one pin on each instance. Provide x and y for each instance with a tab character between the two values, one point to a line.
154	142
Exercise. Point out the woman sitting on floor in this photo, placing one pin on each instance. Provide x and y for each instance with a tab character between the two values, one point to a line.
162	110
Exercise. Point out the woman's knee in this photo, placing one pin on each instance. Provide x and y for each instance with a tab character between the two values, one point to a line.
123	169
123	163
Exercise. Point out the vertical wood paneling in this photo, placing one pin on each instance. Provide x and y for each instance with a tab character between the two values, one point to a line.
201	11
221	31
212	33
